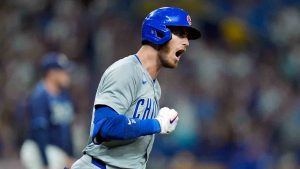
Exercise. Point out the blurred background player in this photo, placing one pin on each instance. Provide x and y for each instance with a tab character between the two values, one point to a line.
49	142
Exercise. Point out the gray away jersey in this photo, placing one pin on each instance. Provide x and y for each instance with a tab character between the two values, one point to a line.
127	87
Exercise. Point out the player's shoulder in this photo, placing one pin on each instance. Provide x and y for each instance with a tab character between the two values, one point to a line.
127	65
39	91
128	62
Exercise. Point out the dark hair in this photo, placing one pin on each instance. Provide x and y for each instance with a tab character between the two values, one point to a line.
44	72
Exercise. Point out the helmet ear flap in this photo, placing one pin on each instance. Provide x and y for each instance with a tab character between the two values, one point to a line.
155	32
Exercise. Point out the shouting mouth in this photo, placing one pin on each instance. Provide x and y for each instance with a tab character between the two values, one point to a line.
179	53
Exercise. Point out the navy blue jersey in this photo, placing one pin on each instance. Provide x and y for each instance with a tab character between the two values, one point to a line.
50	119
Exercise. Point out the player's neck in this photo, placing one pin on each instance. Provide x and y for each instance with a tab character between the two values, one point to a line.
149	59
51	87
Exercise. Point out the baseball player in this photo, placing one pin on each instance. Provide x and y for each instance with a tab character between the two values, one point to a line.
49	144
126	113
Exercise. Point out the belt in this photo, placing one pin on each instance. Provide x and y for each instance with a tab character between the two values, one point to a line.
99	163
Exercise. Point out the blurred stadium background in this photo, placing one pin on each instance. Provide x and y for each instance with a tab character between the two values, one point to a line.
237	89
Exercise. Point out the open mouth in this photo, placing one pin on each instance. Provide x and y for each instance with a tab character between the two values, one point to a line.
179	53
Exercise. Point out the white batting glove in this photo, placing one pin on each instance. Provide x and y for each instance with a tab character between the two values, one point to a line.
168	119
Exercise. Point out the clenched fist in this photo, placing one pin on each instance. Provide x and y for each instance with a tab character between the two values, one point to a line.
168	119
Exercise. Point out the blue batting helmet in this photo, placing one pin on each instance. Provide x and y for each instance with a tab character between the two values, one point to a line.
155	26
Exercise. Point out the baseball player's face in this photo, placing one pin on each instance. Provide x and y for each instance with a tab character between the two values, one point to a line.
171	53
62	78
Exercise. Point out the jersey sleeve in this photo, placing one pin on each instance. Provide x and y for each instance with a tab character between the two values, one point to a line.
117	88
109	125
